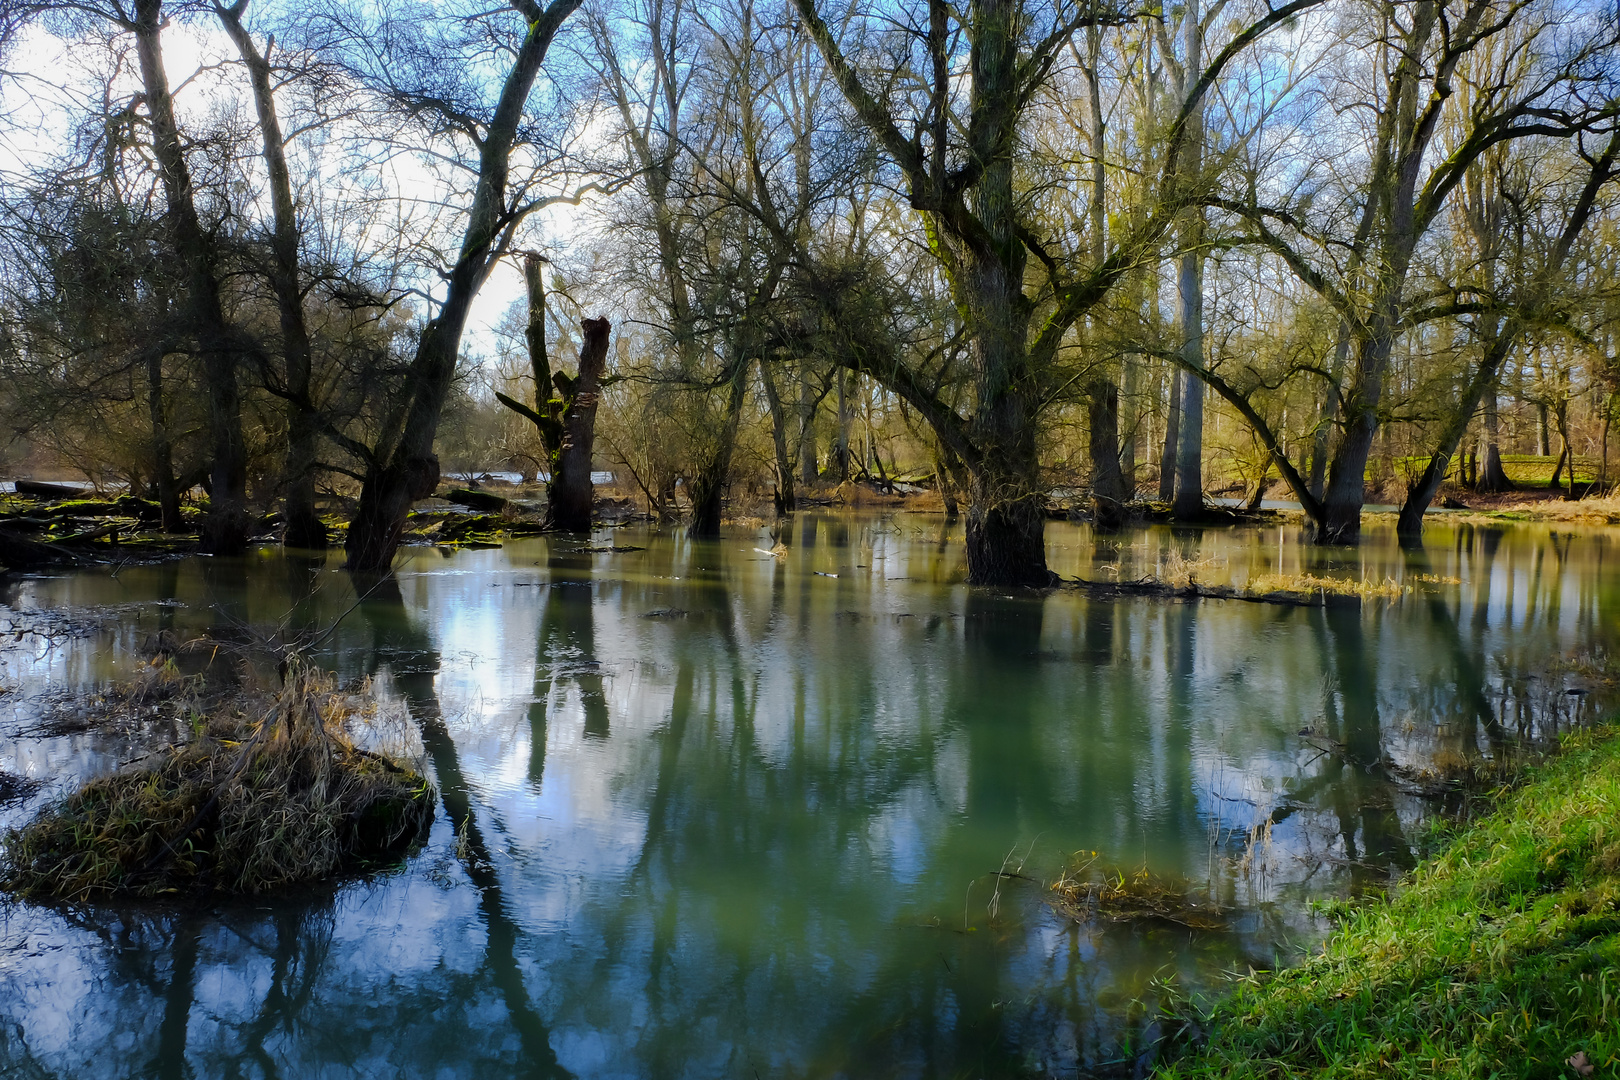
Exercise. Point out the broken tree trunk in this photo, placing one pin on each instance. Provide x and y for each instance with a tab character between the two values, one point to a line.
570	491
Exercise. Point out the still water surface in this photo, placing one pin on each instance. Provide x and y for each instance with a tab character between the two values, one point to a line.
734	814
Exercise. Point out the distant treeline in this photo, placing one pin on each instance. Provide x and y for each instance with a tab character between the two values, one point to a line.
1015	246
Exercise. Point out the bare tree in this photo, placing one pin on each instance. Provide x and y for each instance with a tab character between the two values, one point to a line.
402	466
959	171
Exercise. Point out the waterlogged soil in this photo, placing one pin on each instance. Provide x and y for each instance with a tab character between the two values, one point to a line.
788	803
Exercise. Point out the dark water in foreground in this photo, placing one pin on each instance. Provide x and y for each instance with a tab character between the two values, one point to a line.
732	815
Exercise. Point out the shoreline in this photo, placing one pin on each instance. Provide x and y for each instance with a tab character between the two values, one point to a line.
1499	955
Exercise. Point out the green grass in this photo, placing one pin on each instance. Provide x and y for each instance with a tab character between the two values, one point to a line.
1532	471
1527	471
1500	957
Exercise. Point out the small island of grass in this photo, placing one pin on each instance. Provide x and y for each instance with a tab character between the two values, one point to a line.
269	793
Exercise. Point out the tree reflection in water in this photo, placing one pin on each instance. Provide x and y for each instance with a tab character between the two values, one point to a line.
742	814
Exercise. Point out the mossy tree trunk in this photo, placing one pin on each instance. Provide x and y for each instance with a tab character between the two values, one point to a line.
570	493
566	419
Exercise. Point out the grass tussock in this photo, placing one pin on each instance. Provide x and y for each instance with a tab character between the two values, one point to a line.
270	793
1312	585
1085	892
1500	957
1603	510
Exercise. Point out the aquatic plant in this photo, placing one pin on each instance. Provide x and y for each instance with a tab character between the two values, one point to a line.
1313	584
1085	892
269	794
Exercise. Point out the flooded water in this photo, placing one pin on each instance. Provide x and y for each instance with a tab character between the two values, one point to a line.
710	812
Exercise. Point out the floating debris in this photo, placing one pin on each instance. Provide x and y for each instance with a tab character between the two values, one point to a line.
1086	893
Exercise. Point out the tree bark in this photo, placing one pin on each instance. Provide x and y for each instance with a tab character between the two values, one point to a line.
1108	490
403	467
226	526
839	467
1492	478
1172	433
1347	478
1189	501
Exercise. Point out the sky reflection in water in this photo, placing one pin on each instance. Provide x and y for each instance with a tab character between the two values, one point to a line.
727	814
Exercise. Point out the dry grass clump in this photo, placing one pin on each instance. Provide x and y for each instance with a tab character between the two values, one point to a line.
1180	572
248	806
1311	585
1604	511
1084	893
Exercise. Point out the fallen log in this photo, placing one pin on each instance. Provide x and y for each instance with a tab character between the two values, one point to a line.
38	489
475	500
1163	590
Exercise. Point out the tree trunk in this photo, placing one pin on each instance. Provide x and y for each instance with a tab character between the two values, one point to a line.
1006	542
1108	487
1006	513
785	501
1108	492
1129	419
708	487
304	528
569	494
1329	412
840	463
225	529
403	467
1172	431
1189	500
1347	479
1492	477
168	495
807	427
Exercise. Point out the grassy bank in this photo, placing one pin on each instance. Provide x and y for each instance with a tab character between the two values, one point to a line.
1501	957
